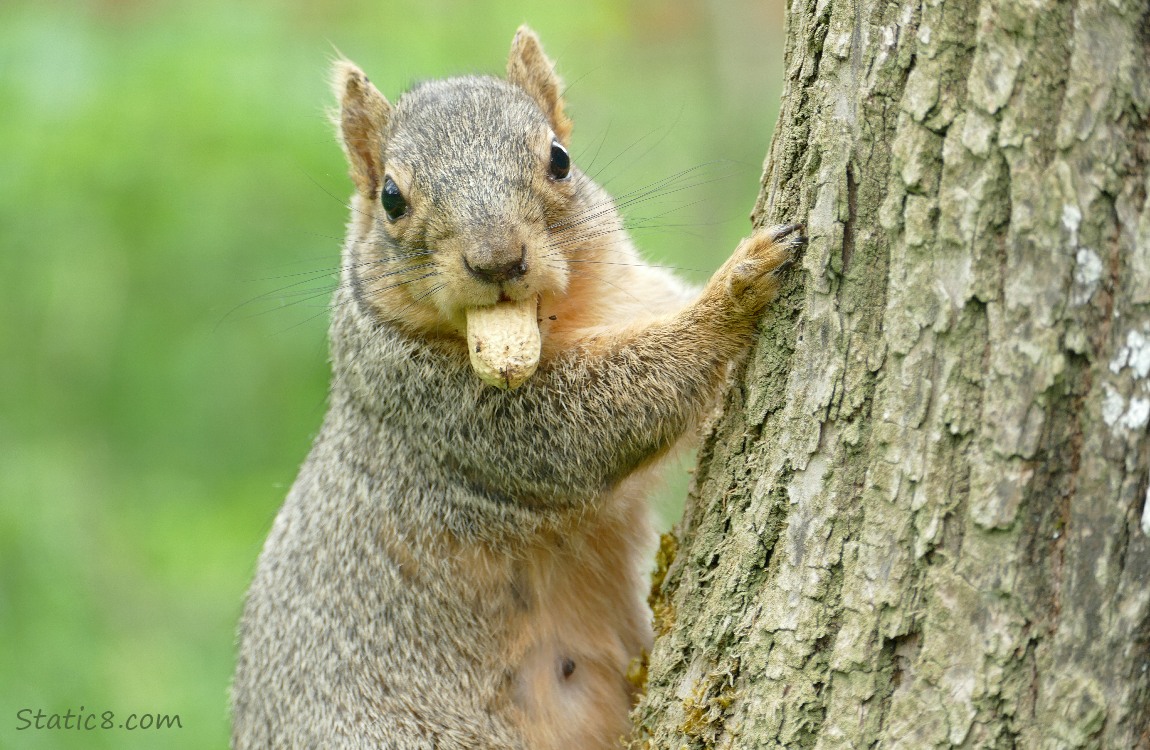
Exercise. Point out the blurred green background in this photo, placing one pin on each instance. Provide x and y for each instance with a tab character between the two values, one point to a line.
167	175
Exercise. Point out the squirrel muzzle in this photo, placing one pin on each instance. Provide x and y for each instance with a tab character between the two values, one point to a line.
503	339
497	266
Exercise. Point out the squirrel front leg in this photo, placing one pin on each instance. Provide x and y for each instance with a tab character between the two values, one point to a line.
620	397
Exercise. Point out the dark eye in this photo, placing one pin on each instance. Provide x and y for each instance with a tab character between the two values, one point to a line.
392	200
560	161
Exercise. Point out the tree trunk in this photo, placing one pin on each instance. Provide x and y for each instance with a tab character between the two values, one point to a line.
922	521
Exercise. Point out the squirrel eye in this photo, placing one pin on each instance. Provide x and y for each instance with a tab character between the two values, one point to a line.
560	161
392	200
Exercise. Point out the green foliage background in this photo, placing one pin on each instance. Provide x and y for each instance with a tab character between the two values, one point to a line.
168	184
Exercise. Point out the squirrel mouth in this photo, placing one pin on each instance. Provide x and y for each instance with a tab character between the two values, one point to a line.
503	341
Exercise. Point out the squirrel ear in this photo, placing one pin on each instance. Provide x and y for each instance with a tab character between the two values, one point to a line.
362	117
529	68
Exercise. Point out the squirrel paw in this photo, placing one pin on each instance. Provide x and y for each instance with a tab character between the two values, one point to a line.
752	271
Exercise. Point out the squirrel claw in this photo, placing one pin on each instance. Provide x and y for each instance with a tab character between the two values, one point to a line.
754	270
797	240
783	230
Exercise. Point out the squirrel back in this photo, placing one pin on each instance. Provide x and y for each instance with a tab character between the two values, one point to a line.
459	565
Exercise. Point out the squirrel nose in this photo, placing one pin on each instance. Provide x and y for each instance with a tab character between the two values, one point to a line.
497	268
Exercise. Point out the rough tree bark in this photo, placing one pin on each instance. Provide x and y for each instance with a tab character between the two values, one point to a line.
922	521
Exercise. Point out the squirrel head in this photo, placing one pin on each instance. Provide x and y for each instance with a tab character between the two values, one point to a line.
463	189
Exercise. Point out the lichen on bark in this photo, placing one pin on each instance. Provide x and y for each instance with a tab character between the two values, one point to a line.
922	521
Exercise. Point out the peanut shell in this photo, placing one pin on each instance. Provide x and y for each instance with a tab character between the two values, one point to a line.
503	341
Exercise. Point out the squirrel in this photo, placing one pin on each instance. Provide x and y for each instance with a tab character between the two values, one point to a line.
460	565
